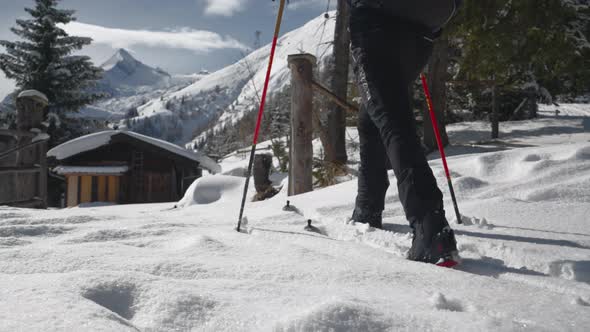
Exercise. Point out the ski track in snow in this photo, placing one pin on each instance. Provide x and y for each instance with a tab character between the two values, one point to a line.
525	245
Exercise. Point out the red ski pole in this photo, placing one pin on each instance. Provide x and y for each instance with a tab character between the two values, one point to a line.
261	110
441	148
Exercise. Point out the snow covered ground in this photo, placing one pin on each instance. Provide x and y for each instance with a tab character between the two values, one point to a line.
525	244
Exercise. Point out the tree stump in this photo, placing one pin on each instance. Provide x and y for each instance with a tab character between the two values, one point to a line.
262	183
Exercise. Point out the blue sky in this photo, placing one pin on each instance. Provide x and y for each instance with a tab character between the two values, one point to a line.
180	36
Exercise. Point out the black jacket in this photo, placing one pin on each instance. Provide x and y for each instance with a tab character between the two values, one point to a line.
433	14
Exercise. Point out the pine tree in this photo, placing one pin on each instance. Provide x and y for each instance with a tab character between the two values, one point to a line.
42	59
535	42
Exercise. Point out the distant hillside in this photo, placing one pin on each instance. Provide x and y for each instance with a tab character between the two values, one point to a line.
229	94
129	83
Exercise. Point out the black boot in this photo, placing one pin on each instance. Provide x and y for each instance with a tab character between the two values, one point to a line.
373	218
434	240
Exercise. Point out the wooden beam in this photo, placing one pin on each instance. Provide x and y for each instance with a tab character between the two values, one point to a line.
326	92
21	170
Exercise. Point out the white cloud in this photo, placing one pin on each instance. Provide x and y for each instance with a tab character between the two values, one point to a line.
184	38
224	7
299	4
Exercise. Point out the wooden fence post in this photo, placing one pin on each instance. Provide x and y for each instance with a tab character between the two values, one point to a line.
30	108
495	116
301	163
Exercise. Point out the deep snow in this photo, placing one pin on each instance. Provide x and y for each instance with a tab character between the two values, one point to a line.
525	247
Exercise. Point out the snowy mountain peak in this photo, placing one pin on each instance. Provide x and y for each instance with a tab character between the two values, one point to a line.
122	56
125	74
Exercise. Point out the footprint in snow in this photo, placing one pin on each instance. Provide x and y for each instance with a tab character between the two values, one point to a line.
117	297
474	221
440	302
580	301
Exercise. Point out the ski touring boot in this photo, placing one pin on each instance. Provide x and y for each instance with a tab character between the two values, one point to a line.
373	218
434	241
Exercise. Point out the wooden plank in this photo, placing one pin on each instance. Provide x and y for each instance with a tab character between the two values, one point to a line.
330	95
149	178
102	189
42	185
72	193
16	133
26	186
17	170
113	189
7	188
86	193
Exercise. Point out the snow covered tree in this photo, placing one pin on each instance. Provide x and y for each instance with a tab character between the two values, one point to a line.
42	59
528	43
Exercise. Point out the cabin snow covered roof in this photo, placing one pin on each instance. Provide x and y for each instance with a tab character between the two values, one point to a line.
96	140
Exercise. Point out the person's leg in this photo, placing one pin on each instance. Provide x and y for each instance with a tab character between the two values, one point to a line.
373	181
388	56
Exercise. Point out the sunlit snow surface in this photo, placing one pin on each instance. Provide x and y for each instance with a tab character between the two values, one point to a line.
525	247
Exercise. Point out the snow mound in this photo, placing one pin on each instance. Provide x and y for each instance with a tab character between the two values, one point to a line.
469	183
12	242
41	230
212	189
336	316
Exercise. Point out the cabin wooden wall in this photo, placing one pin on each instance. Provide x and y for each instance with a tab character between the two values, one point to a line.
93	188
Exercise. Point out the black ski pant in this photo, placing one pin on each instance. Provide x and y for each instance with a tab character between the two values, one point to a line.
388	55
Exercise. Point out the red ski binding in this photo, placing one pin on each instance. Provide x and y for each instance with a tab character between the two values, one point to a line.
448	264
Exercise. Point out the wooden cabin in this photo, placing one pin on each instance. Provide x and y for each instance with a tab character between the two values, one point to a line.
124	167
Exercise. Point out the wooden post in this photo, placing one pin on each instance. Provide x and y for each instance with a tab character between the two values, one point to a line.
30	109
335	150
301	163
495	116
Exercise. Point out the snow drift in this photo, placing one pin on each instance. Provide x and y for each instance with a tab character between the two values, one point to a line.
212	189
